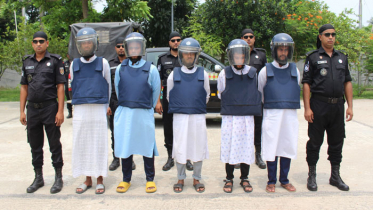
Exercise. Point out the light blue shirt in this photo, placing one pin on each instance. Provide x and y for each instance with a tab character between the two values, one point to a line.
134	129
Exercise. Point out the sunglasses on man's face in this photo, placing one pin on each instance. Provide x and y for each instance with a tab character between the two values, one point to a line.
246	37
36	41
119	46
328	34
175	40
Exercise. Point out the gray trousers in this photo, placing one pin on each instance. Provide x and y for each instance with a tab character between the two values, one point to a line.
197	169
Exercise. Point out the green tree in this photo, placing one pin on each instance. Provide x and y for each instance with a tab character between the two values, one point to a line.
14	50
225	19
303	24
126	10
158	28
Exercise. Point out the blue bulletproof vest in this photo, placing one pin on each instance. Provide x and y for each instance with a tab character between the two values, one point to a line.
134	91
88	85
282	90
241	96
188	96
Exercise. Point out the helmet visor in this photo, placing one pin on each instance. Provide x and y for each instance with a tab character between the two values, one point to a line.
87	44
238	55
134	46
283	52
188	58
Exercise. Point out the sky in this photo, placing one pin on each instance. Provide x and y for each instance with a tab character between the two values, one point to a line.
336	6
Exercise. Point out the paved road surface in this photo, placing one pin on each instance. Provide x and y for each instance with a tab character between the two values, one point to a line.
357	168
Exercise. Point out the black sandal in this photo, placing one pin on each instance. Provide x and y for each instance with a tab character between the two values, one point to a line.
226	186
246	185
180	186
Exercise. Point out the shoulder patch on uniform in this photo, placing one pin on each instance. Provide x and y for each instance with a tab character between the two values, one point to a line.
261	49
307	66
56	56
311	52
162	54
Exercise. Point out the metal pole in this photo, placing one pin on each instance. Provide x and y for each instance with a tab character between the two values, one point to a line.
172	15
359	67
24	13
15	18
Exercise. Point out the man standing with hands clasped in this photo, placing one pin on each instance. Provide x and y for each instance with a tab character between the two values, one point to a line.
327	77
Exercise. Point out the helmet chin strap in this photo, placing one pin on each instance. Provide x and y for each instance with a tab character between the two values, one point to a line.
135	60
282	63
235	66
87	57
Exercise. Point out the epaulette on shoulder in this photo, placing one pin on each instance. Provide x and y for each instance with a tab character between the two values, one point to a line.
343	52
311	52
25	57
162	54
56	56
262	50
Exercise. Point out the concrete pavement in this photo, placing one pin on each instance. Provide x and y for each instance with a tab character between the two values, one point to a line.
356	170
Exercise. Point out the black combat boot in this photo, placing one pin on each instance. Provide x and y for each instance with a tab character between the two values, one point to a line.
70	115
311	181
169	164
114	165
38	181
258	158
58	183
133	165
336	180
170	161
189	166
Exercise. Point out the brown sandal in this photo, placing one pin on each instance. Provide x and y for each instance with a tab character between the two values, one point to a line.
270	188
289	187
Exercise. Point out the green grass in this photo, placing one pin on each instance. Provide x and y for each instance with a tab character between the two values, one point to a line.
12	94
9	94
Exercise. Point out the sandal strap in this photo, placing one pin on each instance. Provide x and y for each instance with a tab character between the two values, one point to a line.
228	181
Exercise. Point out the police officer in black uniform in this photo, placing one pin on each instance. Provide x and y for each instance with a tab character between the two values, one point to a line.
326	75
67	72
166	63
42	82
119	48
257	59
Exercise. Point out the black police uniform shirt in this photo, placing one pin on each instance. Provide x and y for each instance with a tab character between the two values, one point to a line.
42	76
166	64
258	58
113	67
326	75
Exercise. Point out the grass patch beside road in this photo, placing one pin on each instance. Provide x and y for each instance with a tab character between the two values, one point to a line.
9	94
12	94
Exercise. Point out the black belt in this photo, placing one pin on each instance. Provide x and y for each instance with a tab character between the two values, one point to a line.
325	99
42	104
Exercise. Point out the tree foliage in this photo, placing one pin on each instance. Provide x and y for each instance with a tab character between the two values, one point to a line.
126	10
303	25
158	28
13	51
227	18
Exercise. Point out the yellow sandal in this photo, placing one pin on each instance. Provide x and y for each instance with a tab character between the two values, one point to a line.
150	184
125	185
